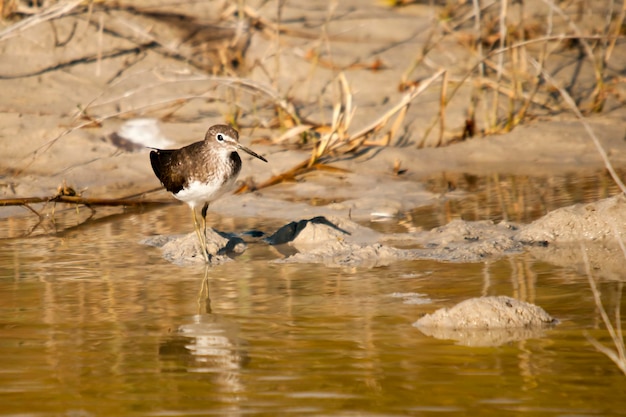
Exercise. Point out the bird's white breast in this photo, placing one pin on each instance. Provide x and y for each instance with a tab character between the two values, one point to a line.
197	193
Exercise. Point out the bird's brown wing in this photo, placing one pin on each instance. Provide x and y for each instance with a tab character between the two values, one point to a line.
167	169
176	167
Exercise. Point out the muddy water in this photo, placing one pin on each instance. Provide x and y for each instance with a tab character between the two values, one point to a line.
94	323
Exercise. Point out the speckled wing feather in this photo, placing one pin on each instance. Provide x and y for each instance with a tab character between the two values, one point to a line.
171	166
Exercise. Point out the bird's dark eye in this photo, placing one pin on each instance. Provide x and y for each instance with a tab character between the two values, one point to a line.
220	137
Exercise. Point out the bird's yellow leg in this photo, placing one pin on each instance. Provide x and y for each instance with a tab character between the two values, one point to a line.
201	237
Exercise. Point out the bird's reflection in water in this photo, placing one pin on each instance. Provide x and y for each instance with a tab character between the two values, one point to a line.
208	343
204	298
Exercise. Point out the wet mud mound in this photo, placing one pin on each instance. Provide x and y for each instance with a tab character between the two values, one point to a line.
185	249
582	237
334	241
602	220
486	321
337	241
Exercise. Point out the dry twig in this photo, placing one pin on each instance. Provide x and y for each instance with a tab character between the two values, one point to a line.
52	12
335	138
618	356
572	105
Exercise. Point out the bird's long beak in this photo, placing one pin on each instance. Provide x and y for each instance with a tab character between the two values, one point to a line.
251	152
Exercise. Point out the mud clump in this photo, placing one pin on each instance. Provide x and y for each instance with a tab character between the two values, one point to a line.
486	321
185	249
487	313
601	220
337	241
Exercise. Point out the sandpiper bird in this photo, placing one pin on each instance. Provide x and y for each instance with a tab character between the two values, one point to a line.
202	172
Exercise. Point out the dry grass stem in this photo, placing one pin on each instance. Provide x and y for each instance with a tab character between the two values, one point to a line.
478	34
617	28
509	42
336	139
443	102
140	110
52	12
406	100
618	356
67	195
500	65
572	105
76	199
97	120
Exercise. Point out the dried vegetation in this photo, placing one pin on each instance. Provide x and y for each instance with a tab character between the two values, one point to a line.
516	53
